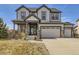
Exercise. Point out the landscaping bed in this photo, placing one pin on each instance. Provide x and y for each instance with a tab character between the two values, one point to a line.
21	47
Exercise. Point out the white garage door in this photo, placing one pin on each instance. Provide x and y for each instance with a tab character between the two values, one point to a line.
67	32
50	32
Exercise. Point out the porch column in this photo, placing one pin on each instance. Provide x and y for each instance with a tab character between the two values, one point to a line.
27	28
14	26
26	32
38	32
18	28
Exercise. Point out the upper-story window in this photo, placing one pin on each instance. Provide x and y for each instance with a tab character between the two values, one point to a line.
52	17
55	17
43	15
23	14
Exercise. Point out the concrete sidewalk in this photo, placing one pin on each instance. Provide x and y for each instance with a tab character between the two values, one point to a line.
62	46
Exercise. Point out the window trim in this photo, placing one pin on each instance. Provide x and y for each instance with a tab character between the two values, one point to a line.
23	14
43	14
55	17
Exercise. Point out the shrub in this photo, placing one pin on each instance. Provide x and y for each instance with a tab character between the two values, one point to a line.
22	47
13	34
3	29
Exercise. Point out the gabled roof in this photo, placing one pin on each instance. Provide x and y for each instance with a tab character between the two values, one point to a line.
23	7
36	9
33	16
55	10
52	9
68	23
33	9
18	21
43	6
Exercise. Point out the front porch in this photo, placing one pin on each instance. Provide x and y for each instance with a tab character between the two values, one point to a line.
29	26
32	30
19	25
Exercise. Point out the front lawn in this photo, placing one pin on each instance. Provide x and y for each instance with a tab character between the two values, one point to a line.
21	47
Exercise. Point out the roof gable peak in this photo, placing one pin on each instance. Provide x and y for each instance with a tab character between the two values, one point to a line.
22	6
43	6
33	16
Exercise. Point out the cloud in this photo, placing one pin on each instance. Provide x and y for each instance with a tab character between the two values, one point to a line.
68	19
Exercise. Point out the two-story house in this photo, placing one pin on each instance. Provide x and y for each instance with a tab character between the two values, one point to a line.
42	22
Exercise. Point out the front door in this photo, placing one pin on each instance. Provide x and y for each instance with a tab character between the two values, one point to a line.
32	29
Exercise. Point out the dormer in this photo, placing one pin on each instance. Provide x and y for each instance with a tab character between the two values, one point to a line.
22	12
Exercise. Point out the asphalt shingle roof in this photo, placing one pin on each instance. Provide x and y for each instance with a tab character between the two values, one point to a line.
34	9
52	9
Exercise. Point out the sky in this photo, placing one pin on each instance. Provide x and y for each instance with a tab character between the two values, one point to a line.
70	12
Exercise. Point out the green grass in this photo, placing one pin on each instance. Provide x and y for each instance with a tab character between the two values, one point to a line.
21	47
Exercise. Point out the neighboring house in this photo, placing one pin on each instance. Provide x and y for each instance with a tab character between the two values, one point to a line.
42	22
76	29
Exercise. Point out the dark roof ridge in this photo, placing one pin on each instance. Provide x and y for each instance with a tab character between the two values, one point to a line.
43	6
36	9
22	6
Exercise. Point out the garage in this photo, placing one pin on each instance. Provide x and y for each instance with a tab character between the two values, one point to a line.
50	32
67	32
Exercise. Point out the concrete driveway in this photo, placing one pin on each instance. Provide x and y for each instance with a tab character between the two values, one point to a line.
62	46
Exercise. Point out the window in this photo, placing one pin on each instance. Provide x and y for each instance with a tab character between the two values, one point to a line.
55	17
33	29
52	17
23	14
43	15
